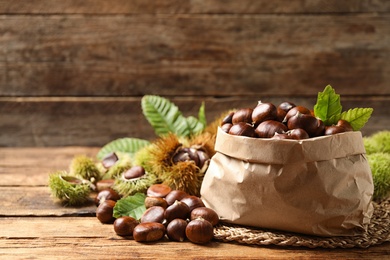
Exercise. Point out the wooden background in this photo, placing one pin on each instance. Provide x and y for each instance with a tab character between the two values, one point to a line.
74	72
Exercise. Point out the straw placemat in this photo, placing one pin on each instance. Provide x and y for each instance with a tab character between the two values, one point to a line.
377	233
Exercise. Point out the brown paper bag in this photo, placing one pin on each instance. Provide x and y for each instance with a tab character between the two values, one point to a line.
318	186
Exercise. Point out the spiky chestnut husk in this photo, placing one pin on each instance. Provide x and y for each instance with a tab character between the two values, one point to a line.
86	168
70	190
123	164
378	142
138	185
158	157
380	168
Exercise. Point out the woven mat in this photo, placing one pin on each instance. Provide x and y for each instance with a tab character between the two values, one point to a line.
377	233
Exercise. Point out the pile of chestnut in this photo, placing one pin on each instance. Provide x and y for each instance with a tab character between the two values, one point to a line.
286	121
169	212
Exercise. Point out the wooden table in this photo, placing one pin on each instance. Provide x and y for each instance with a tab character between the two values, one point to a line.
32	226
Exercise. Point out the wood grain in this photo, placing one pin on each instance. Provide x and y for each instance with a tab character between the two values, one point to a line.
95	122
191	6
194	55
73	73
33	226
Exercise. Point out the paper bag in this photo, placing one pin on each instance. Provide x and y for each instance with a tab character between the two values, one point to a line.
318	186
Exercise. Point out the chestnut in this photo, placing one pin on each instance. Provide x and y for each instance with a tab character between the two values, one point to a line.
107	194
177	210
206	213
124	226
175	195
104	212
263	112
282	110
134	172
345	124
243	115
153	214
281	136
109	160
298	134
228	119
176	230
286	106
242	129
203	158
148	232
104	184
155	201
294	110
199	231
267	129
226	127
334	129
158	190
307	122
193	202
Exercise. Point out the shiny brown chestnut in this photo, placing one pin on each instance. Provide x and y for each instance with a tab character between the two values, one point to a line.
155	201
177	210
263	112
228	119
298	134
345	124
307	122
149	232
104	212
243	115
107	194
124	226
334	129
153	214
193	202
134	172
267	129
199	231
242	129
294	110
158	190
226	127
206	213
175	195
176	230
283	108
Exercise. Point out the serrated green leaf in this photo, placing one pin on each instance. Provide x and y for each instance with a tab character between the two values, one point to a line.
133	206
328	105
126	145
357	117
164	116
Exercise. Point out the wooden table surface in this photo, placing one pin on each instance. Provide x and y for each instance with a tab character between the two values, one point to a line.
32	226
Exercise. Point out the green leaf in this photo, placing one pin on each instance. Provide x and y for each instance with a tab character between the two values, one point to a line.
202	115
357	117
164	116
195	125
126	145
133	206
328	106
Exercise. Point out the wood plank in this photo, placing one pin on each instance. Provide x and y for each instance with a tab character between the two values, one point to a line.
95	122
50	237
187	6
37	201
194	55
37	164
